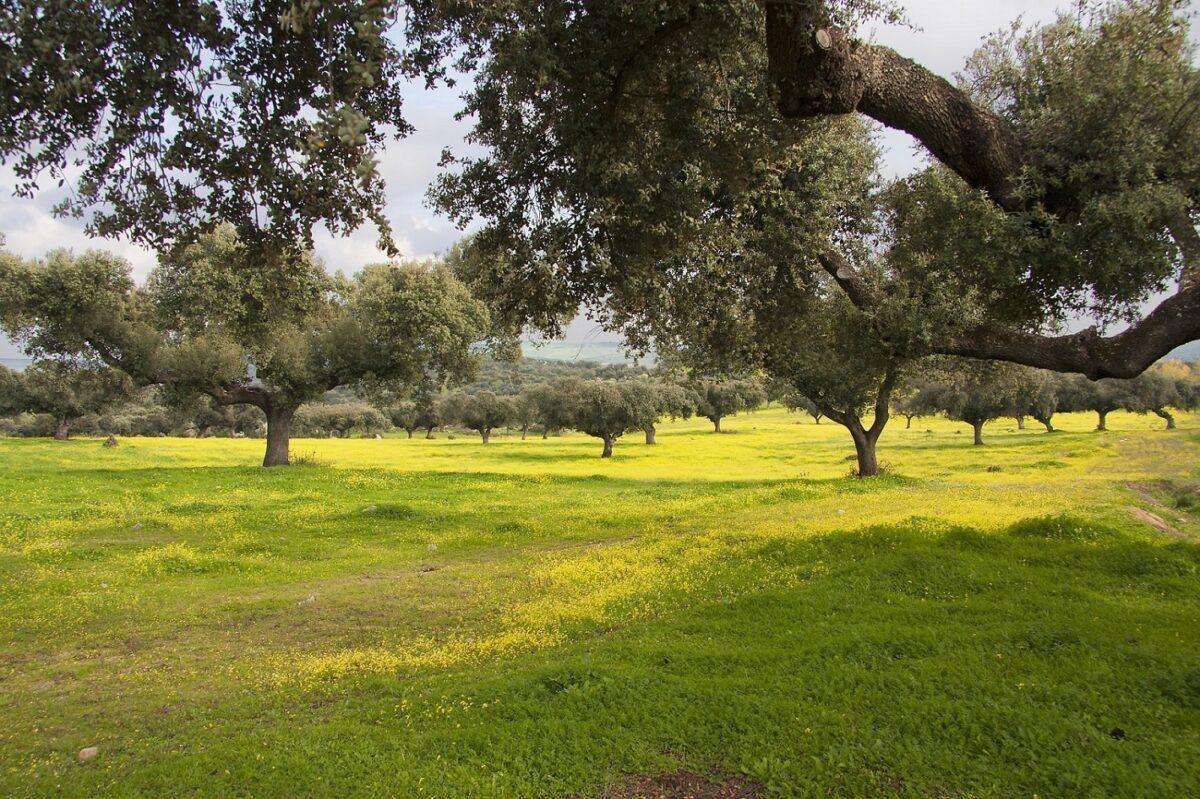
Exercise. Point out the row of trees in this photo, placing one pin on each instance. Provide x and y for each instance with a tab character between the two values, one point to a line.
605	409
701	175
977	392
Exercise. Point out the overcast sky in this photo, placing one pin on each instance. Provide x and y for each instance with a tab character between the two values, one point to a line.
946	31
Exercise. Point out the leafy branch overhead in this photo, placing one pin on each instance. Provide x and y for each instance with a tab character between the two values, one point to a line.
1066	166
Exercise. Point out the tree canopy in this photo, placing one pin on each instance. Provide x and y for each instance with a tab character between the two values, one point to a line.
618	140
167	119
203	324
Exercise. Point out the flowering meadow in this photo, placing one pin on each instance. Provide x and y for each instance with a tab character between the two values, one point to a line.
441	618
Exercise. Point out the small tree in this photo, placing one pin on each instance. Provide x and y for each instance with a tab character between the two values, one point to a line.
483	413
794	401
667	399
553	407
607	410
409	411
526	411
406	416
1155	392
68	391
1038	396
338	420
716	399
1102	396
976	392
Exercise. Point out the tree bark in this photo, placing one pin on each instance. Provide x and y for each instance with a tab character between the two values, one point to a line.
865	440
1103	424
279	434
545	433
205	431
820	71
410	432
1163	413
978	426
486	434
1020	422
651	434
524	431
62	430
864	448
428	433
908	422
1045	421
608	447
716	424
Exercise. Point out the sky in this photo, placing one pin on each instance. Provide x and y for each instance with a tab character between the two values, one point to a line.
944	33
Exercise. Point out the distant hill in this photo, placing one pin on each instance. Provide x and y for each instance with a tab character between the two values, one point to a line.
604	352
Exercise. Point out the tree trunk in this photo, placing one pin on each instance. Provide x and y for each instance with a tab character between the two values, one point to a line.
545	433
62	430
717	424
978	433
608	446
1045	420
279	435
864	447
524	431
1163	413
908	422
1103	424
650	435
486	434
410	432
1020	422
428	433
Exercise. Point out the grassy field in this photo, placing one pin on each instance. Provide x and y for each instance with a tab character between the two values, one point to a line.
438	618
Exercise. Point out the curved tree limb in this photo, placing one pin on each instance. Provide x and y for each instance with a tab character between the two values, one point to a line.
819	71
1176	321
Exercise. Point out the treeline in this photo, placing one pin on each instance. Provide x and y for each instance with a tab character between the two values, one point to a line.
977	392
56	398
606	402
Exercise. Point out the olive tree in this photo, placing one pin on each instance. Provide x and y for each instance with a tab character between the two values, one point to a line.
338	419
526	411
213	320
609	409
1101	396
482	412
667	400
1039	396
976	392
1065	179
67	391
719	398
553	407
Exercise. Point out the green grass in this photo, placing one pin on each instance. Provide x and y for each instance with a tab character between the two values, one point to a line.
439	618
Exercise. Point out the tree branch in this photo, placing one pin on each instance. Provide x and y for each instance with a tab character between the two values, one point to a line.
1176	321
883	400
821	71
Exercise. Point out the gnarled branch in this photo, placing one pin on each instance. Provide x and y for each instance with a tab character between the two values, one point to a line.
820	70
1176	321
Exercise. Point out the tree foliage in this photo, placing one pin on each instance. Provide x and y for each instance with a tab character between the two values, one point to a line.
206	324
